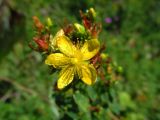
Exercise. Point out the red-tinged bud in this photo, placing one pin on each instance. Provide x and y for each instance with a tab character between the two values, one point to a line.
42	44
87	23
39	26
68	29
96	29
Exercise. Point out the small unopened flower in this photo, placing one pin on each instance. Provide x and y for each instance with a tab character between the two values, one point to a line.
42	44
79	28
93	12
73	60
104	56
49	22
39	26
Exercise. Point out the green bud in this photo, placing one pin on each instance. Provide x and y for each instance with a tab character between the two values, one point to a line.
120	69
104	56
49	22
92	11
79	28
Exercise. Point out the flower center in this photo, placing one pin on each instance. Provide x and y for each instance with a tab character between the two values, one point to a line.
75	61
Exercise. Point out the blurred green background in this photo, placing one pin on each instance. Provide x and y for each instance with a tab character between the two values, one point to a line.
131	32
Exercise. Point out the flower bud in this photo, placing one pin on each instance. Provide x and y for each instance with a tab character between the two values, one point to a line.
49	22
79	28
120	69
104	56
42	44
92	11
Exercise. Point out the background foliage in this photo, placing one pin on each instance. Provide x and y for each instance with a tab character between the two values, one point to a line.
132	39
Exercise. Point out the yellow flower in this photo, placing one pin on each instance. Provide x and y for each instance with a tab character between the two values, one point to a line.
73	60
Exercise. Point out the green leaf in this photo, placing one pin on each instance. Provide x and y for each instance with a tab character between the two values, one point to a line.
82	101
91	92
125	101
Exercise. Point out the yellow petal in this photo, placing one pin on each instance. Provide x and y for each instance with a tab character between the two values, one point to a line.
66	77
79	71
88	74
55	38
66	46
57	60
90	49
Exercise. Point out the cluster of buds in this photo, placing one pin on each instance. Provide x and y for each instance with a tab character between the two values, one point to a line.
75	49
88	20
42	36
